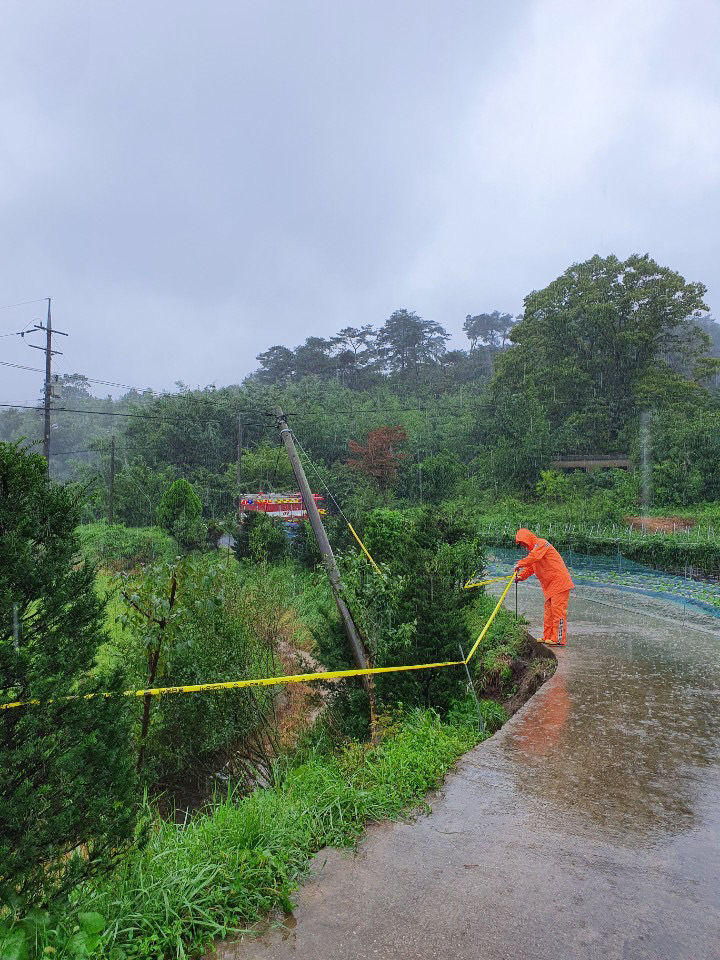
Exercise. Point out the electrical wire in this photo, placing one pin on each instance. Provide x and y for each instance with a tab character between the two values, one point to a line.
108	383
22	303
132	416
71	453
20	366
317	474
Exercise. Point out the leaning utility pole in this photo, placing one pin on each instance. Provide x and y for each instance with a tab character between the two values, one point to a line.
48	374
357	647
238	465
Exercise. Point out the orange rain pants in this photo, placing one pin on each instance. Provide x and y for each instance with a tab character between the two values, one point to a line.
555	625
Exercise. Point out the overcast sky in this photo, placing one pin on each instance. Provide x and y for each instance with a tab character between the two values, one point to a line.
194	182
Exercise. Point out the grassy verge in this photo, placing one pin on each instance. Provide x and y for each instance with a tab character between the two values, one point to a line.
226	869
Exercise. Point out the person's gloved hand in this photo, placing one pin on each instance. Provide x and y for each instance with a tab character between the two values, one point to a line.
521	573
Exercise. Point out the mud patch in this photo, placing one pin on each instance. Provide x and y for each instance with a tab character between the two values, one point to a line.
516	673
535	664
660	524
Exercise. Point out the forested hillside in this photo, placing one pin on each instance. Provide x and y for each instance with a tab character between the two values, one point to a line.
602	344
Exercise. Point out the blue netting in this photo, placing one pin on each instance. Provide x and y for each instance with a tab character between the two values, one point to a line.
623	575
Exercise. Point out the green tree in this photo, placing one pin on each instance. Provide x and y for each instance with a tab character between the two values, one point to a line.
66	784
685	451
516	442
356	355
277	366
407	342
491	329
415	615
264	469
313	358
180	514
191	621
440	475
586	341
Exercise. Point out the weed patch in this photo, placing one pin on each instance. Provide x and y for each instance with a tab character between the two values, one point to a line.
225	869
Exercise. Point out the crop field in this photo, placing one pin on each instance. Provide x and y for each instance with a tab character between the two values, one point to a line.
625	575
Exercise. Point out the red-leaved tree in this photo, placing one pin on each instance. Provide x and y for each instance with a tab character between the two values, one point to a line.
379	457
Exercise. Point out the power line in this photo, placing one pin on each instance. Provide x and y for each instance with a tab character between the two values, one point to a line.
19	366
317	474
22	303
108	383
132	416
113	383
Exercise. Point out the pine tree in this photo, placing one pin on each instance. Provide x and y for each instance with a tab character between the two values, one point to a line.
66	783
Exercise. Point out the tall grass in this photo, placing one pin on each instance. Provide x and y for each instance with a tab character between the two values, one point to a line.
225	869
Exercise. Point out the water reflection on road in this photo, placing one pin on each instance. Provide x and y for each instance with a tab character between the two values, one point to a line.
621	738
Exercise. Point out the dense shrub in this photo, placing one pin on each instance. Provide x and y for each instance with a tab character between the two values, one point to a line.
193	620
121	548
180	514
262	539
415	614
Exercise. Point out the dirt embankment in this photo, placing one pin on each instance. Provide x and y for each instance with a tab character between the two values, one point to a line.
515	677
660	524
535	665
298	705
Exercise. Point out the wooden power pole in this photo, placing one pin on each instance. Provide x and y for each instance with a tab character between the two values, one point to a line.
49	352
111	499
238	464
357	647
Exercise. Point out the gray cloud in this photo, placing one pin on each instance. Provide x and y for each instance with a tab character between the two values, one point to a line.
194	182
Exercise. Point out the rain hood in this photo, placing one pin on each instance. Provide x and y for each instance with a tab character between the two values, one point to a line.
526	537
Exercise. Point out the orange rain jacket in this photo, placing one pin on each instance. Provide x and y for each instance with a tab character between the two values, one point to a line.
545	562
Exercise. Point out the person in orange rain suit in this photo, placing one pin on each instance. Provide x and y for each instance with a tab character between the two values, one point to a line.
545	562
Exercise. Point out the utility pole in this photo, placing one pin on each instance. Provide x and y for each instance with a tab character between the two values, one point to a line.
238	467
240	432
48	373
357	647
111	503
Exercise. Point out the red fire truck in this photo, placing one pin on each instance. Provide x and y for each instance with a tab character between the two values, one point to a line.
279	506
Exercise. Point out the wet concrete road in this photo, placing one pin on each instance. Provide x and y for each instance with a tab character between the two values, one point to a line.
588	827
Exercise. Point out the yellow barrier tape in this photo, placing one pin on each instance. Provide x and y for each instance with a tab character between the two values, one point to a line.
238	684
271	681
492	617
482	583
365	550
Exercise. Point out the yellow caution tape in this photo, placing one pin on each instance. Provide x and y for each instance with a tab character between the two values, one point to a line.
365	550
482	583
239	684
492	617
271	681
